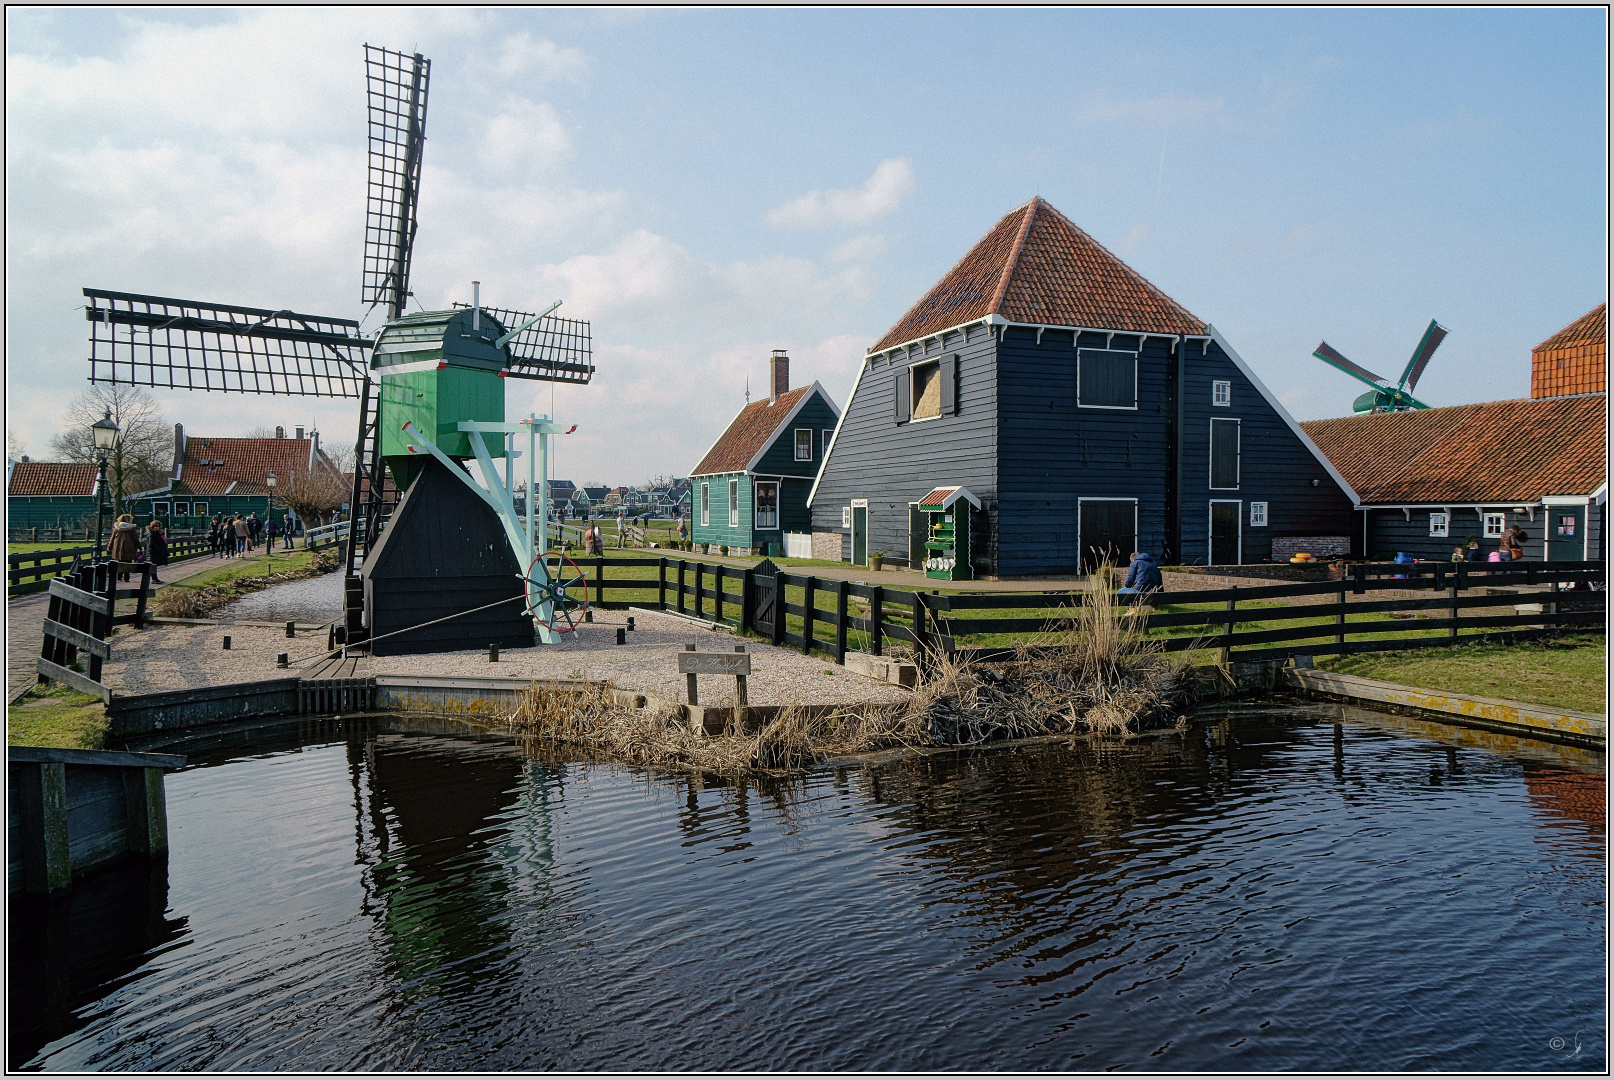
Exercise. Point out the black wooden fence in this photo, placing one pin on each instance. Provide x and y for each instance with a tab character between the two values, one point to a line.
81	616
1556	597
29	571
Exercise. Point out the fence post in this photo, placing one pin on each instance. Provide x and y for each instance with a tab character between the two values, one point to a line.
876	613
807	616
699	567
1360	571
1456	612
145	591
661	585
1227	635
1339	620
682	565
919	626
717	593
104	622
778	634
843	589
748	607
599	582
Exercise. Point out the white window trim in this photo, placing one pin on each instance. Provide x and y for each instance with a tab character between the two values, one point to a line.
160	509
706	502
1262	524
1501	526
1441	522
913	397
756	503
798	433
734	504
846	517
1210	531
1217	386
1210	455
827	435
1114	408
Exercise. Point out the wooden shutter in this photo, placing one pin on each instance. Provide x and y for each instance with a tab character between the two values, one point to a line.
949	385
1224	454
1107	379
904	408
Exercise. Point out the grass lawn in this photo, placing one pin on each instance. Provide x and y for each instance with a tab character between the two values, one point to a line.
57	716
1569	672
22	548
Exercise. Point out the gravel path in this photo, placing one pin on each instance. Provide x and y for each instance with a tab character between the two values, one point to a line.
184	657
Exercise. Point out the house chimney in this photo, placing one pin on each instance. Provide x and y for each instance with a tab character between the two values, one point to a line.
781	374
179	447
299	431
280	432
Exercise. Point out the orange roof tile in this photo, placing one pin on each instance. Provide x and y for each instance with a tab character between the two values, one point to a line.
51	478
1035	266
1590	327
1499	451
212	465
753	429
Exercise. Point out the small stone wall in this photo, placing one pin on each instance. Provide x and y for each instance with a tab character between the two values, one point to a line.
828	545
1324	547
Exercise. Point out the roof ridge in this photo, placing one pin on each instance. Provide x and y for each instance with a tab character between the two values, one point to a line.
1013	260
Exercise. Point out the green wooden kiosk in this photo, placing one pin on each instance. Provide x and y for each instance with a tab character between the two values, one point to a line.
947	533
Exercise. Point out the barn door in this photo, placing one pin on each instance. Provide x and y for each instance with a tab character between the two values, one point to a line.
1108	531
1224	533
1566	533
860	532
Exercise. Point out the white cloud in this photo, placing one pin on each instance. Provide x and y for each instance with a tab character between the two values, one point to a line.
525	138
864	248
1162	110
879	195
1134	239
539	59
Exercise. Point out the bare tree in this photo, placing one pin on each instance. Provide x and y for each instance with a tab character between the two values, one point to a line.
16	449
313	496
341	455
144	454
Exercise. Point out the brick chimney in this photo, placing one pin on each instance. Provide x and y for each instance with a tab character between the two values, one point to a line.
781	374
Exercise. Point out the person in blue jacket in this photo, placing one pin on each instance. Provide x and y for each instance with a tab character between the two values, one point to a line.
1142	576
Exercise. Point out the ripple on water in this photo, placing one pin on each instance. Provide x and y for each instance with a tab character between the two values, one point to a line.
1276	898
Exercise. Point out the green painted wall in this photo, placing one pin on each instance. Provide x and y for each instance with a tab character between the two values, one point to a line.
719	531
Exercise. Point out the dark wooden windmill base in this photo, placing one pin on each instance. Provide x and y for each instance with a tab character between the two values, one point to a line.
443	554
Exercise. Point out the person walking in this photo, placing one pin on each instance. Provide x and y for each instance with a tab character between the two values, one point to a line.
156	549
1513	540
125	543
253	525
289	527
270	528
243	535
214	539
621	530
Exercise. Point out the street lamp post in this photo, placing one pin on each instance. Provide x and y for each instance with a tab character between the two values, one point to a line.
269	524
105	434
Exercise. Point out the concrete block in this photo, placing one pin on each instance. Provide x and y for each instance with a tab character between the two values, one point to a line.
883	669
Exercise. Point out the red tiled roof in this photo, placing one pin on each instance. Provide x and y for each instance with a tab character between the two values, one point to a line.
244	462
1499	451
750	432
1590	327
51	478
1035	266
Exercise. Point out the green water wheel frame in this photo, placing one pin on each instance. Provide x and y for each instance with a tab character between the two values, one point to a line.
564	595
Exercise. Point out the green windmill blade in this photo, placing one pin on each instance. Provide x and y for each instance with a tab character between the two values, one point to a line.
1427	345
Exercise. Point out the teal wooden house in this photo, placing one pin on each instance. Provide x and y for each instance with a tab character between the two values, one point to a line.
750	490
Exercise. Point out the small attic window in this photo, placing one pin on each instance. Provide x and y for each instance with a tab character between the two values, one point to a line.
927	390
1222	392
804	444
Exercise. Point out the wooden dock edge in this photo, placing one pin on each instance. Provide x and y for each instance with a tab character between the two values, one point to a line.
1492	714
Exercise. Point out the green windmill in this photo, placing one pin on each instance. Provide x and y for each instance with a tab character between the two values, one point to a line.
1384	397
430	387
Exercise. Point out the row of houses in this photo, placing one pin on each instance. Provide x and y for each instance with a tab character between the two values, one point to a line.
1071	411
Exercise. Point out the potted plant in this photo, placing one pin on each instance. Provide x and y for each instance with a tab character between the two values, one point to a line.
876	559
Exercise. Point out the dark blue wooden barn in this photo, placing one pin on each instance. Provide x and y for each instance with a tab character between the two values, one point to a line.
1090	413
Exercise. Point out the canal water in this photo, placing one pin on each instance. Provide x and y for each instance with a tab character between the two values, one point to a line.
1289	889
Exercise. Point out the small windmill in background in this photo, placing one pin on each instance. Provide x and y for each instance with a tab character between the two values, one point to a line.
1384	397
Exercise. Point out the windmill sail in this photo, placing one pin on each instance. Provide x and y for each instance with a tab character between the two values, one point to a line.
1330	355
170	344
550	350
397	88
1431	340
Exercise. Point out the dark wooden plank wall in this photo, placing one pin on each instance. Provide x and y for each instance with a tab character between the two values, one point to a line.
1275	466
1054	453
1389	531
893	464
780	458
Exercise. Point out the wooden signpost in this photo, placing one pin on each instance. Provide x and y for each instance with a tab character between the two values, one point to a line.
736	663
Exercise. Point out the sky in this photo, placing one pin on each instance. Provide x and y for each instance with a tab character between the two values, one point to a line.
707	185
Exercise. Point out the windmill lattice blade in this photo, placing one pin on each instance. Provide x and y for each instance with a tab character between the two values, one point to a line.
173	344
1432	338
1330	355
397	89
550	350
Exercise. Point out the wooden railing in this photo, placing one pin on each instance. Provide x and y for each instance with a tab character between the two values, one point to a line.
822	614
31	571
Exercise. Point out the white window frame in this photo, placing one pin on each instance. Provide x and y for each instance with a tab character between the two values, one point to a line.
1258	515
706	503
1495	524
1440	525
182	513
199	509
734	504
756	504
1210	456
1222	393
1210	531
804	443
1116	408
913	395
159	509
829	437
846	517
